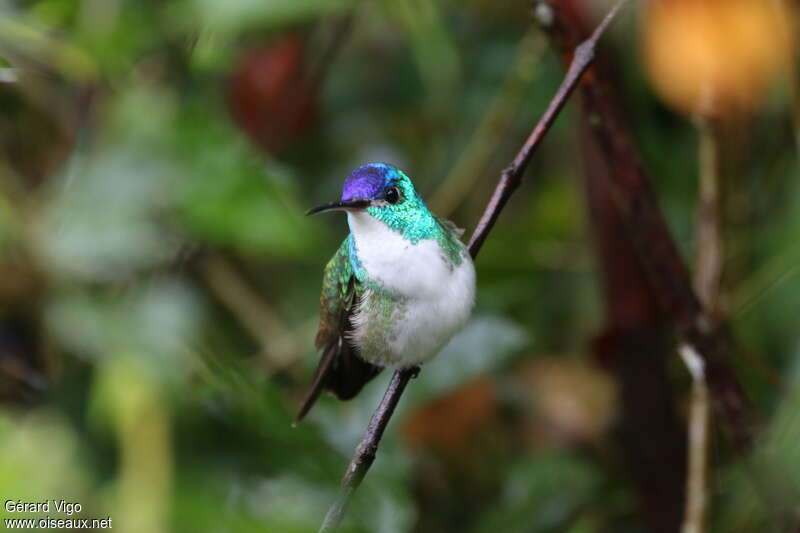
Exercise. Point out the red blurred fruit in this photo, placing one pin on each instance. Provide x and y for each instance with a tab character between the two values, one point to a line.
271	95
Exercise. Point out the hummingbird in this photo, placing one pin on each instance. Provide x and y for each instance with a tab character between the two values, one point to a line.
395	292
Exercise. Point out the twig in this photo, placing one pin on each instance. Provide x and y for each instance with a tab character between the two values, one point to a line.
694	518
510	179
707	281
368	447
709	253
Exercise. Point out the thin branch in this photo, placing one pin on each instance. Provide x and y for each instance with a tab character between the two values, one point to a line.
368	447
510	179
707	282
709	253
694	518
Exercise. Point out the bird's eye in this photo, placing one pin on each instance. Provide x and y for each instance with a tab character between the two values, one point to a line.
393	195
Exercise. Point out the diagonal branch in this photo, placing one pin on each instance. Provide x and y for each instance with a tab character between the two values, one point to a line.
511	177
368	447
510	180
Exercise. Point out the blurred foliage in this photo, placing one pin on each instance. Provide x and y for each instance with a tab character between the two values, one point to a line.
159	281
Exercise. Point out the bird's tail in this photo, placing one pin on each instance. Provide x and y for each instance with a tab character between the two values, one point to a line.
340	371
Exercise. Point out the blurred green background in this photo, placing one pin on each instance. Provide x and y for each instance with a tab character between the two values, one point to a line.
159	282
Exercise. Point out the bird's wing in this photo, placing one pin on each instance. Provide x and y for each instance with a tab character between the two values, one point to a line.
340	369
340	290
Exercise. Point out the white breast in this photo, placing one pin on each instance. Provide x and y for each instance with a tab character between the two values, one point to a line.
438	296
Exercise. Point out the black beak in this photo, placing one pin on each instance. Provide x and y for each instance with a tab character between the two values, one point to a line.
340	206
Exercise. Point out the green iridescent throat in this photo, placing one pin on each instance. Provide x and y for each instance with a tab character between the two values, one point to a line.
412	219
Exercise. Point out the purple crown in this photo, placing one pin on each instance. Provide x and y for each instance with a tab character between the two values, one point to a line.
368	181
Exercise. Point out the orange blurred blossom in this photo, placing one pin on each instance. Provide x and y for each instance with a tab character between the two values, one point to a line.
714	57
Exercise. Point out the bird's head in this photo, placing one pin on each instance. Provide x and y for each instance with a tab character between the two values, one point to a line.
384	192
